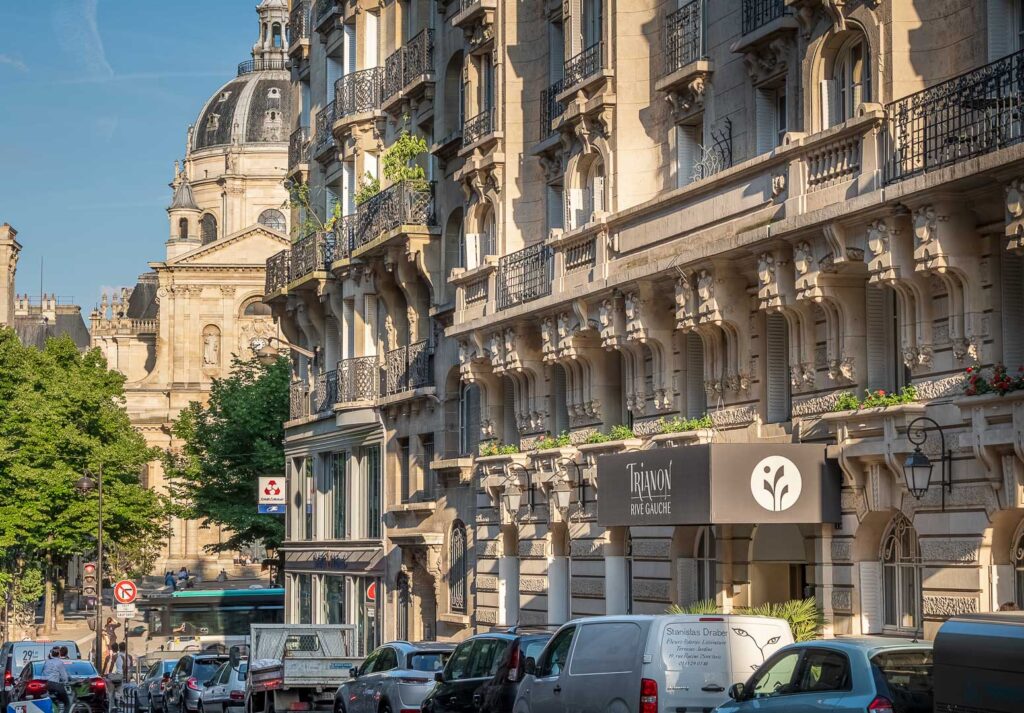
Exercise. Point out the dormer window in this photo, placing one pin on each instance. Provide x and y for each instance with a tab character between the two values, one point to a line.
223	96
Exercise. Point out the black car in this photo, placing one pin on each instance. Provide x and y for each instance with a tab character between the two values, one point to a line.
89	687
484	671
15	654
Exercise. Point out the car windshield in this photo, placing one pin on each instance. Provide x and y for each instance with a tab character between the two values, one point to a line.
76	669
169	665
532	647
203	669
432	661
909	675
243	669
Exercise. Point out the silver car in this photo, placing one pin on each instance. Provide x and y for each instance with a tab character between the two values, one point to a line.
225	691
151	687
395	677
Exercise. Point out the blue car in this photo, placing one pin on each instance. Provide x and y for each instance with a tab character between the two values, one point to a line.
854	675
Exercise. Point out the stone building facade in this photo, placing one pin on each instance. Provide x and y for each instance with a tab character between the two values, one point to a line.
661	225
202	304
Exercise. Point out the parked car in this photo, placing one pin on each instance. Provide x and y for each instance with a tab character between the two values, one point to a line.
182	692
394	678
484	672
878	675
151	687
89	687
15	654
979	663
225	691
647	663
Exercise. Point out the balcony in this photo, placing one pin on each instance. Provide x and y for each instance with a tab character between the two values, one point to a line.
478	128
408	203
358	93
323	138
407	369
585	65
298	400
312	254
684	36
278	271
550	107
524	275
298	28
974	114
261	65
344	235
409	69
325	394
323	12
758	13
358	380
298	150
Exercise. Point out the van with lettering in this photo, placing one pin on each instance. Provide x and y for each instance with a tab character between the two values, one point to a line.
673	663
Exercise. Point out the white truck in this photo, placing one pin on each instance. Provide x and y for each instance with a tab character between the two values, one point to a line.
298	667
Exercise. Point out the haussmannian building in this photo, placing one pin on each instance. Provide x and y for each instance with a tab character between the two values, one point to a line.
602	359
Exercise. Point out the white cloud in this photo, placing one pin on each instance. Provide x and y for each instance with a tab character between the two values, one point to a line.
78	34
13	62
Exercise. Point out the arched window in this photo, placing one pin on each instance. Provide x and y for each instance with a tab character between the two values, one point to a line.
256	308
707	564
183	229
850	83
208	228
901	576
469	419
595	194
277	35
457	568
453	94
273	219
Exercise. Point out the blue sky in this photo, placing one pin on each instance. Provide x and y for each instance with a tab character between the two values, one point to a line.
95	100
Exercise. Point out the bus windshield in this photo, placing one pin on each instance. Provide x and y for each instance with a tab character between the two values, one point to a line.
211	620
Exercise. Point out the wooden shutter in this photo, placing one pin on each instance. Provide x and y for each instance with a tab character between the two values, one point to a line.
575	206
511	430
370	32
473	256
829	103
999	27
879	339
334	71
598	197
870	597
348	186
350	49
1002	586
686	581
1012	279
559	405
777	368
696	397
767	122
686	149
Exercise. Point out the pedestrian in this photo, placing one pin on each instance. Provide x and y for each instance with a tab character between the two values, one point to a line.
1008	606
183	574
55	673
222	576
120	665
169	581
110	640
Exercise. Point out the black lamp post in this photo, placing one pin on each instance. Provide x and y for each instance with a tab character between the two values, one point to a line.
84	485
529	481
918	467
580	482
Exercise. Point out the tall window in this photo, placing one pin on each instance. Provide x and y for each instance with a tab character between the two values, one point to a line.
707	564
337	484
273	219
559	401
308	498
183	229
304	584
886	369
208	228
335	600
469	419
457	568
850	83
777	368
901	575
592	11
405	477
371	463
770	111
429	476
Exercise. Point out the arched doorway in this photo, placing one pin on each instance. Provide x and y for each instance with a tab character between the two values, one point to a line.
778	564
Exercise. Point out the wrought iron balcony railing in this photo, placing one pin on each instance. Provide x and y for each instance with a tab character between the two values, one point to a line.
298	22
976	113
413	59
478	127
408	368
587	63
358	380
298	148
344	237
298	400
359	92
550	108
313	253
684	35
260	65
322	10
405	203
758	13
524	275
325	393
278	271
393	77
323	138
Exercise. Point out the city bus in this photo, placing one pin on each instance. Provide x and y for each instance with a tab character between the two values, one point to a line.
203	619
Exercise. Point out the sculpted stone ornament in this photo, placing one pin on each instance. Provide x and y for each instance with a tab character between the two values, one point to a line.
803	264
606	322
1015	216
880	264
840	370
689	98
211	347
494	350
511	350
685	317
924	357
390	333
927	250
707	306
548	339
634	320
965	348
767	283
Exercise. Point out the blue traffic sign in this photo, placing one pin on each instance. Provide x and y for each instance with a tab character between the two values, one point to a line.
271	509
43	705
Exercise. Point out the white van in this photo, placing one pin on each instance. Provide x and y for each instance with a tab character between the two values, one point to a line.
652	664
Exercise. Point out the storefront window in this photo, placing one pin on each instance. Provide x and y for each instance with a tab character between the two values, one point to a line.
901	575
706	564
334	600
309	495
373	493
368	592
304	584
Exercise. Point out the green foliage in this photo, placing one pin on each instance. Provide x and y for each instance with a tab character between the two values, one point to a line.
496	448
681	425
804	617
369	186
560	441
616	433
237	437
309	222
999	382
847	401
399	159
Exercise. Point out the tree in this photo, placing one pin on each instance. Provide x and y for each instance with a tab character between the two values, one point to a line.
237	437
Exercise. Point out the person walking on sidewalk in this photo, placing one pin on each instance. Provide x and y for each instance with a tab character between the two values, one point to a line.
110	641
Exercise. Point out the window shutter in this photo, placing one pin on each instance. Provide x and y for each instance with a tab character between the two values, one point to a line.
585	208
559	406
767	122
576	33
472	416
350	49
829	103
370	44
599	196
473	257
696	397
870	597
370	164
1012	277
686	581
556	208
334	72
511	428
1002	585
999	25
686	144
777	368
574	205
348	186
878	339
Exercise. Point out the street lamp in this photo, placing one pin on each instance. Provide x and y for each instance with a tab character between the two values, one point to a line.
918	467
267	355
530	488
84	485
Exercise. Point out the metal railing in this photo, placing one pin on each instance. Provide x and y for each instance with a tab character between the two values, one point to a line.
322	10
323	137
478	127
976	113
684	35
413	59
550	107
344	237
278	271
408	368
403	203
298	147
758	13
358	379
313	253
359	92
261	65
583	65
325	393
298	400
298	22
524	275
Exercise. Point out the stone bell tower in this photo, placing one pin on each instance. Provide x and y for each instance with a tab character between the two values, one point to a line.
9	249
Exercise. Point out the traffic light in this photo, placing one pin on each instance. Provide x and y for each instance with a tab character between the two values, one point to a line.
89	580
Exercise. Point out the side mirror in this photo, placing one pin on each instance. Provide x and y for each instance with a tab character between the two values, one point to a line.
736	691
439	676
530	667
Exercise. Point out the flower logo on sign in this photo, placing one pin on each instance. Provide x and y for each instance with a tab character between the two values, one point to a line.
272	488
776	484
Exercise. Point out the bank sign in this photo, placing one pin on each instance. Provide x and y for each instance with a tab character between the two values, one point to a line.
721	483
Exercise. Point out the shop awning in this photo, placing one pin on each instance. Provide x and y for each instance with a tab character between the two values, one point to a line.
718	484
351	561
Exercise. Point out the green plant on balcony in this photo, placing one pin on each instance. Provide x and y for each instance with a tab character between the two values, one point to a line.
681	425
496	448
879	398
560	441
400	160
1000	382
310	222
615	433
369	186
